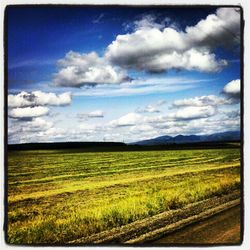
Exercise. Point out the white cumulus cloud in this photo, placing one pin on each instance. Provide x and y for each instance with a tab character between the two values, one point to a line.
216	28
76	70
92	114
156	49
201	101
28	112
129	119
37	124
232	89
96	114
148	109
38	98
189	113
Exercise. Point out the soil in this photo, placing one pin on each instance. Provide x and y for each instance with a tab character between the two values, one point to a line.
223	228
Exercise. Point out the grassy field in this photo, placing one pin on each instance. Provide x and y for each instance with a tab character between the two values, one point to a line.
55	196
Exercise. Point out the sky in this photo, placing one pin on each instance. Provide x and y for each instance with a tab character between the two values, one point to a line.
121	73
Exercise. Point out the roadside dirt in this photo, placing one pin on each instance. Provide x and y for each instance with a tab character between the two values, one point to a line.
223	228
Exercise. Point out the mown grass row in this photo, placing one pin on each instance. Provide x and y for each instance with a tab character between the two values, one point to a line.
66	209
35	165
74	169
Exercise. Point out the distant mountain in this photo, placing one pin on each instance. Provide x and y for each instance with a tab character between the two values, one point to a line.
217	137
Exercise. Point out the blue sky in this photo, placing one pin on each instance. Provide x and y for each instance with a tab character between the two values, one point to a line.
121	74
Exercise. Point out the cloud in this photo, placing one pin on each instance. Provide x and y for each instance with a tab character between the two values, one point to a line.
96	114
142	131
89	131
35	130
30	63
184	120
148	109
233	114
147	22
129	119
38	98
87	127
176	118
204	126
77	70
189	113
143	86
156	119
142	128
232	89
92	114
231	93
217	28
193	59
52	134
23	131
28	105
161	102
151	108
201	101
38	124
28	112
205	106
151	49
199	125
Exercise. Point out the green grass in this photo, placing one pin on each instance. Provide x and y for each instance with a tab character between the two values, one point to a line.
57	196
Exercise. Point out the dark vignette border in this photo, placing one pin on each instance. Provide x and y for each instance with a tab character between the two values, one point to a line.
242	125
5	226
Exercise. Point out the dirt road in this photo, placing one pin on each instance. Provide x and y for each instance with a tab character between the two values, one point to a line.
221	228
